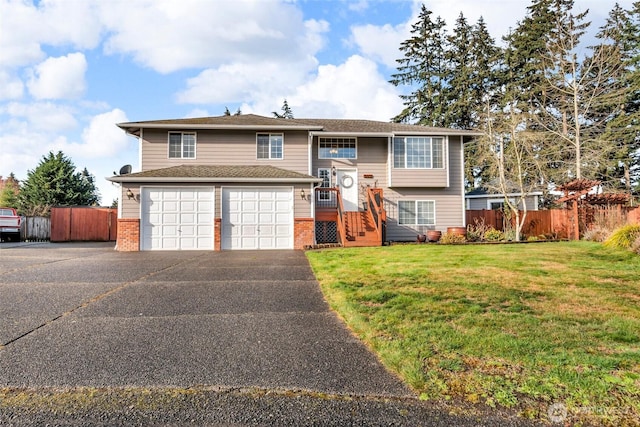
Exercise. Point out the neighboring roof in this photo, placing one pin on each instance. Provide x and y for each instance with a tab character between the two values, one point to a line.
481	192
319	126
204	173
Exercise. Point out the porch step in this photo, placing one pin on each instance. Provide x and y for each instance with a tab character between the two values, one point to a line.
360	230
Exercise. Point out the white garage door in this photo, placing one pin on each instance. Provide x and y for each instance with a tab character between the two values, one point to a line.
257	218
177	218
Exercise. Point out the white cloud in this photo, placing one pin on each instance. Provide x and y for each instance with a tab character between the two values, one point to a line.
380	43
12	86
59	78
354	89
40	116
198	34
102	138
25	27
245	82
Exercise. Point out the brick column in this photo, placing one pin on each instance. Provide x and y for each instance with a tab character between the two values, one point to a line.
128	239
217	234
303	233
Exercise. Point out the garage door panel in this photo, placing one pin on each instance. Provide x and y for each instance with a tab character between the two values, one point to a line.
257	219
177	218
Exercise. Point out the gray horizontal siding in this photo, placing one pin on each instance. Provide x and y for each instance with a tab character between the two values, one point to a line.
449	212
224	148
371	161
449	201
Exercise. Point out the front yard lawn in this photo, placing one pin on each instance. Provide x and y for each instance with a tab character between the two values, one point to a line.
519	326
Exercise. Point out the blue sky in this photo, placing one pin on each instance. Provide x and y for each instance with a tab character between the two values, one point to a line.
71	69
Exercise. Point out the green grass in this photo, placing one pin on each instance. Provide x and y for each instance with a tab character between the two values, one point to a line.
517	326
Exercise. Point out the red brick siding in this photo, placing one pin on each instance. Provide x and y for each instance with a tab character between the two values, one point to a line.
303	232
128	235
217	234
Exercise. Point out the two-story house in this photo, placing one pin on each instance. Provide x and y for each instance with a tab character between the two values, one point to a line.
253	182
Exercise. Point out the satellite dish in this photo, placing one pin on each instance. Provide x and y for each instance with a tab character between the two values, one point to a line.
126	169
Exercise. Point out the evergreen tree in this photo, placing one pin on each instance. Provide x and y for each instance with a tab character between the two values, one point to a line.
620	109
55	182
287	113
478	80
523	54
461	110
423	69
9	193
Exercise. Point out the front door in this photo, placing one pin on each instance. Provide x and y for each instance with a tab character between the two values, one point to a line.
348	185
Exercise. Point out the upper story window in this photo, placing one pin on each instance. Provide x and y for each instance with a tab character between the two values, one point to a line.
416	212
182	145
413	152
270	146
337	148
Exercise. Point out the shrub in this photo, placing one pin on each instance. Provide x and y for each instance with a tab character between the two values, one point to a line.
475	232
596	234
636	246
624	237
452	238
493	235
532	239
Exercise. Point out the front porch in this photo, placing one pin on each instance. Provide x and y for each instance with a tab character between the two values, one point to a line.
349	228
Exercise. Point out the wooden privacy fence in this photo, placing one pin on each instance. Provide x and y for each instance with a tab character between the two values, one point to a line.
35	228
84	224
551	223
556	223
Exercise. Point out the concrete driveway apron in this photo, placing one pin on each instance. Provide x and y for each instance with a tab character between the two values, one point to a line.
95	317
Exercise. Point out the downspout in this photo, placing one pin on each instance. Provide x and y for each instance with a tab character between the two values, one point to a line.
464	215
312	192
389	161
140	138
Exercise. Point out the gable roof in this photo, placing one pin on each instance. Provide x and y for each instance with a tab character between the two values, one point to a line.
316	126
226	173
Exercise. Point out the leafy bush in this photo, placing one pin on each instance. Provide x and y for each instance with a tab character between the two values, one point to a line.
532	239
624	237
493	235
452	238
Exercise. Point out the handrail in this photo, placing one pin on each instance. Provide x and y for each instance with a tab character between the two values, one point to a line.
342	229
376	211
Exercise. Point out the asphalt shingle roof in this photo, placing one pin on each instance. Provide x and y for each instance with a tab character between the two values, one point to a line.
214	172
320	125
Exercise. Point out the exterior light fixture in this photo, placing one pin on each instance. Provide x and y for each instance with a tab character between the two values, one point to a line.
303	195
333	171
130	194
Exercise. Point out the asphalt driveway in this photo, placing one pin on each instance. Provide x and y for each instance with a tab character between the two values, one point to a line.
90	316
91	336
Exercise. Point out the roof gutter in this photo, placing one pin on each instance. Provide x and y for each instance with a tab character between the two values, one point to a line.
133	127
143	179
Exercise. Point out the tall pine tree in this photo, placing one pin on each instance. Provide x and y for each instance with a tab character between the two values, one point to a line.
424	70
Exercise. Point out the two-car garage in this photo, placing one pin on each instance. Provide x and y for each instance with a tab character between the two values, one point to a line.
183	218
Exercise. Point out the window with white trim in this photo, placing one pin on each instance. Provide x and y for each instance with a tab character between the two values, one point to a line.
416	212
325	174
182	145
418	152
337	148
270	145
